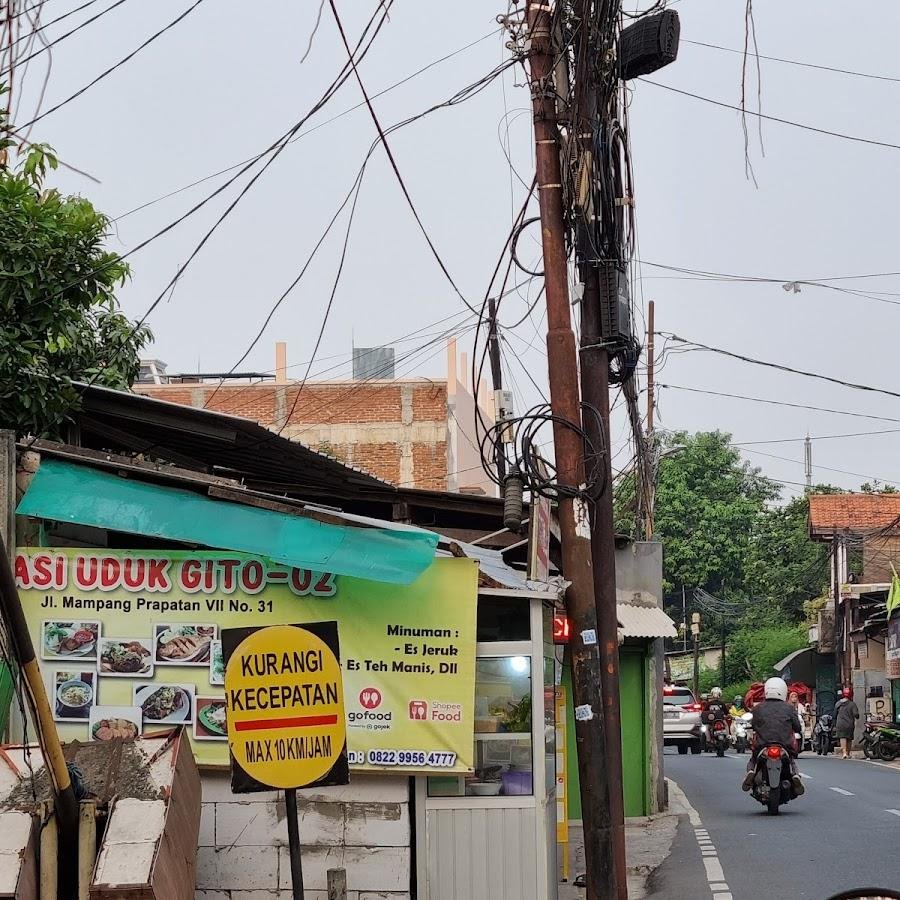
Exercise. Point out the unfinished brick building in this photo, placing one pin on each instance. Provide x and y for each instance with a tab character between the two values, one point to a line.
412	432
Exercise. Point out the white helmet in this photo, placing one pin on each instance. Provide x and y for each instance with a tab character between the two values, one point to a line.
716	692
775	689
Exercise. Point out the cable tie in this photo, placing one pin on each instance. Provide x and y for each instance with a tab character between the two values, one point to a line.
541	187
546	141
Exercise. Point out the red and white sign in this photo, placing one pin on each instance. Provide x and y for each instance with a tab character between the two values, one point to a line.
539	539
418	710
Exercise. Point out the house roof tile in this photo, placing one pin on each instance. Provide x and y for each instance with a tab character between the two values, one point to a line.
857	513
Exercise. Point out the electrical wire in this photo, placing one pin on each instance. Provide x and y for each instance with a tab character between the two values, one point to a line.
117	65
839	412
779	366
794	62
309	131
50	44
837	134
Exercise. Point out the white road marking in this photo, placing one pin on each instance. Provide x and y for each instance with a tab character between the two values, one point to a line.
882	765
893	812
713	869
804	775
715	877
842	791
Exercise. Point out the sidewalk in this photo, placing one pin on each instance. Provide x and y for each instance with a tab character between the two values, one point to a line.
647	844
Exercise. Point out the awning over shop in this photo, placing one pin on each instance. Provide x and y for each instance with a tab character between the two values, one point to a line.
345	545
798	666
644	621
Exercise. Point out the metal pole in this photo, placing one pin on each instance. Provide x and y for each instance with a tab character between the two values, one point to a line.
836	594
684	616
290	804
696	667
565	402
64	796
723	654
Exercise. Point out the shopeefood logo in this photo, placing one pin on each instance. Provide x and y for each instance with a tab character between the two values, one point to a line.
371	718
446	712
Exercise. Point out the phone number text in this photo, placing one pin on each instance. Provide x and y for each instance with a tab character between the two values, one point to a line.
436	759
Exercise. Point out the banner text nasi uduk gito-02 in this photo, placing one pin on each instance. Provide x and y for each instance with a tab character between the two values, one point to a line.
128	642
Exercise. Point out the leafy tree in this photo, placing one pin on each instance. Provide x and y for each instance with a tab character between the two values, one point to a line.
708	504
59	319
754	649
782	564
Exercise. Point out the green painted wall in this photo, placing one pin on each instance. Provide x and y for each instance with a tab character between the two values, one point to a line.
635	746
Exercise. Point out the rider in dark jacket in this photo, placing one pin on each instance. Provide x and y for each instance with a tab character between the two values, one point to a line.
774	722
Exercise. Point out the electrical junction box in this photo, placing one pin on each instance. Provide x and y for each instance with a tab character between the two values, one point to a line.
503	410
615	307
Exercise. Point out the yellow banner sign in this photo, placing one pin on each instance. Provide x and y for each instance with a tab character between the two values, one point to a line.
284	705
131	641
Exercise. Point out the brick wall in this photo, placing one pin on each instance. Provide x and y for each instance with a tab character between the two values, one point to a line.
363	828
396	430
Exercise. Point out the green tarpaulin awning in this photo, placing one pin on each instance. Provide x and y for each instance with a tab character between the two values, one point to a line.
381	551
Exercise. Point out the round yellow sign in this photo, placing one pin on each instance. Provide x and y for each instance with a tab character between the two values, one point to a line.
285	706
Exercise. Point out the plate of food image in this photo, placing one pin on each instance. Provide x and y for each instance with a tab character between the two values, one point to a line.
212	717
125	657
183	645
164	703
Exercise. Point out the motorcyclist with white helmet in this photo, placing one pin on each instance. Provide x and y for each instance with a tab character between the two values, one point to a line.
775	721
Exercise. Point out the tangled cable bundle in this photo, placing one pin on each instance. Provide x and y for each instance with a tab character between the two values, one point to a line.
539	475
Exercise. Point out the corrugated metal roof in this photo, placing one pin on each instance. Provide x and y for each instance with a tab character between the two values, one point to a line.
644	621
492	564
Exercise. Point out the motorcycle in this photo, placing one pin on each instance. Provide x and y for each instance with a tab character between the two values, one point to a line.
742	732
772	785
823	735
719	736
888	743
870	740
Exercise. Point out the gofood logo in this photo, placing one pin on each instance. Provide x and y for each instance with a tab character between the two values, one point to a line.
370	718
370	698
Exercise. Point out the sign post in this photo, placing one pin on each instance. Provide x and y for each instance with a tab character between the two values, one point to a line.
285	715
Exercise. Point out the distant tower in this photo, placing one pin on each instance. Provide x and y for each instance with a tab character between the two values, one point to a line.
807	461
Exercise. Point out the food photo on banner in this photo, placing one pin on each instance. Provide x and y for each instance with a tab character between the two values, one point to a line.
149	625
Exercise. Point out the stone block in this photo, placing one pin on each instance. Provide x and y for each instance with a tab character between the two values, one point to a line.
237	868
216	788
370	869
376	825
207	836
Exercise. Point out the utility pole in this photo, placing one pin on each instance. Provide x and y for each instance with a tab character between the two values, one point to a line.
595	361
807	462
684	616
497	380
836	594
651	409
651	365
695	631
595	391
591	736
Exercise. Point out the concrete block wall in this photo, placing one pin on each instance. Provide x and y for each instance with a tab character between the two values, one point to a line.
363	828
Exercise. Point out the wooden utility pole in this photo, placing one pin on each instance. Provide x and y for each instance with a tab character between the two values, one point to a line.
591	738
595	362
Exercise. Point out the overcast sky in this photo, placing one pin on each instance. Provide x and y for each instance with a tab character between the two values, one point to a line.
228	80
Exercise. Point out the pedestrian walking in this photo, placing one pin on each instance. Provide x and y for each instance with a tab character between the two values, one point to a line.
846	712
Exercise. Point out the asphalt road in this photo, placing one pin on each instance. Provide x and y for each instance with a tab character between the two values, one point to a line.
842	833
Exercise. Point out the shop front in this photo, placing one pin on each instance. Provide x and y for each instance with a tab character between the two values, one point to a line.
449	686
491	834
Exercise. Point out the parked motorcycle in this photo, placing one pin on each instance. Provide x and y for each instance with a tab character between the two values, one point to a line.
718	736
870	740
888	742
823	735
772	779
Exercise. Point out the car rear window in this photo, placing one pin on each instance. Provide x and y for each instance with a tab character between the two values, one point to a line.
678	698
